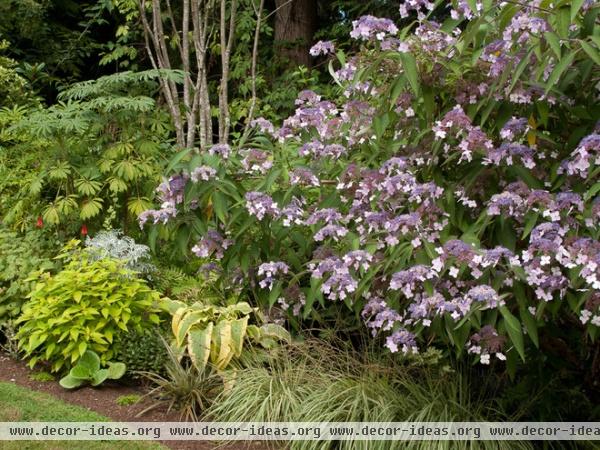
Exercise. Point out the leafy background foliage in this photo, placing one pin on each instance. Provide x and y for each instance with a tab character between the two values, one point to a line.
417	204
19	257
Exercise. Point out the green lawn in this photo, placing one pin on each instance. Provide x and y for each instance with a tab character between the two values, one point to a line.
18	404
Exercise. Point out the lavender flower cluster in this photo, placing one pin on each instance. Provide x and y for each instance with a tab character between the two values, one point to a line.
213	244
369	28
170	194
322	48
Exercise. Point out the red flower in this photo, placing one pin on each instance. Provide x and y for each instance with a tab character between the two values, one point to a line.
84	230
40	222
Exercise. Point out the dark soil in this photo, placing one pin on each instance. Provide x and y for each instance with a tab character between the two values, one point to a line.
104	401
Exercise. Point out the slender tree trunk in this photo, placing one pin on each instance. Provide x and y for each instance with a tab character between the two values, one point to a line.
227	35
253	74
295	26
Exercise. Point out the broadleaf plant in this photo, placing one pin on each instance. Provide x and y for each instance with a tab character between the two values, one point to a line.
214	335
84	307
88	371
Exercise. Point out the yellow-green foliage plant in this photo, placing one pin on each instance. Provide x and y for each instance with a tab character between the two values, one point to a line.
83	307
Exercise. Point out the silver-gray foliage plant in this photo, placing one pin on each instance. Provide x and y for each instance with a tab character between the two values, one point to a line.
114	244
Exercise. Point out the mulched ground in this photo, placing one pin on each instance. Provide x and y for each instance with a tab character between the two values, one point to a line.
104	401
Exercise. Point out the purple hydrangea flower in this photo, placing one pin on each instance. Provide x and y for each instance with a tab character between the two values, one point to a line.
330	231
514	128
402	340
261	205
162	215
293	213
211	244
586	154
407	280
304	177
339	285
204	173
269	270
358	259
263	125
256	161
322	48
222	150
368	28
484	294
420	6
327	215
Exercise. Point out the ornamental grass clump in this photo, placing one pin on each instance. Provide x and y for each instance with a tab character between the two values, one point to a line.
315	381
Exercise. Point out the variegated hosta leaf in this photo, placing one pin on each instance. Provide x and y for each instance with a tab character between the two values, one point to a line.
274	331
171	306
238	333
199	345
221	351
187	321
216	333
178	314
253	332
241	307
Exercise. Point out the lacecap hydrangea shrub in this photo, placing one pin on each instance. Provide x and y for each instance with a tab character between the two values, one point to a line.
448	196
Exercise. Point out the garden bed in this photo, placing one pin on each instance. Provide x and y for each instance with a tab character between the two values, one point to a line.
104	401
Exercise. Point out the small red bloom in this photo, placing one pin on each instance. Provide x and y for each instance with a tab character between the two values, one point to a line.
84	230
40	222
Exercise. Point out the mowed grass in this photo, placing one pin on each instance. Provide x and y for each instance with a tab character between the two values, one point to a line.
18	404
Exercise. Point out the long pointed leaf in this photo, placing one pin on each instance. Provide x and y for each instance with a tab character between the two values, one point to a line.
199	344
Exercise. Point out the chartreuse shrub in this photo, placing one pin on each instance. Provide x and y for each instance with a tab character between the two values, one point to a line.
83	307
20	254
88	370
446	196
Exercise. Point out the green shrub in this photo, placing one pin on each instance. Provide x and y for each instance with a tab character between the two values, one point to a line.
93	159
83	307
141	351
20	254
